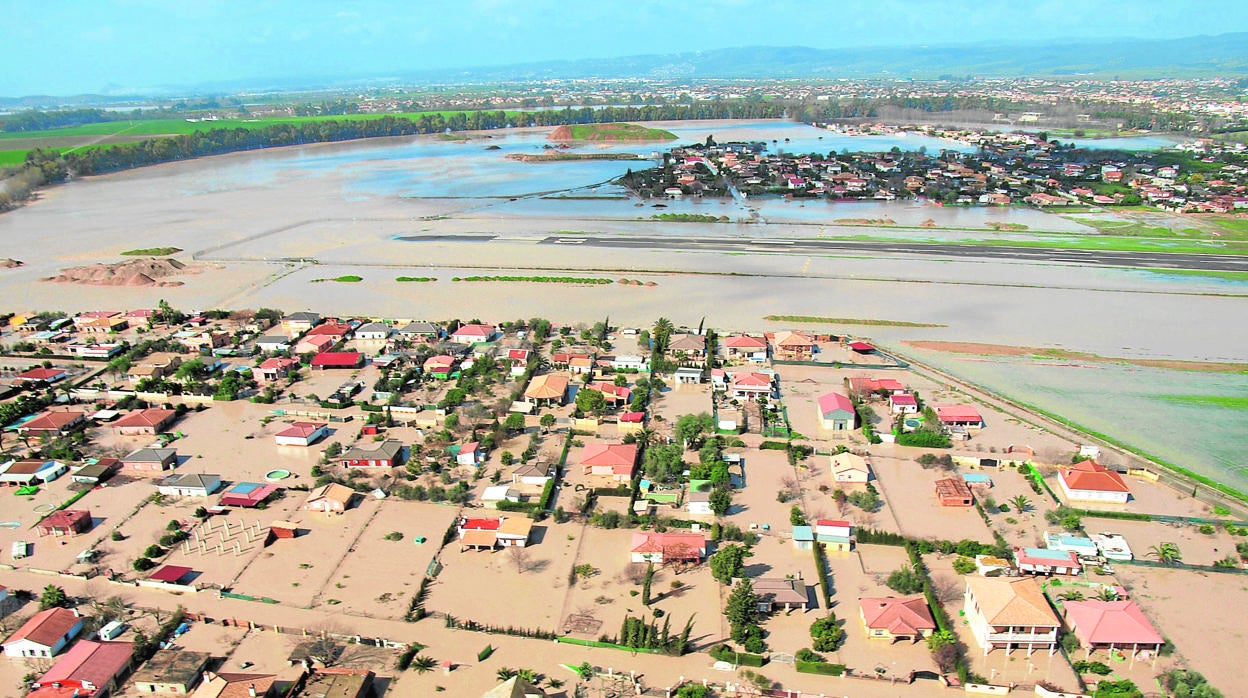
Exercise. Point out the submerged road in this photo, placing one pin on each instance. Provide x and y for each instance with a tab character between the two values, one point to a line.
1039	255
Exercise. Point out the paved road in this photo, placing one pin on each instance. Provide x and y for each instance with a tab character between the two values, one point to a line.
1147	260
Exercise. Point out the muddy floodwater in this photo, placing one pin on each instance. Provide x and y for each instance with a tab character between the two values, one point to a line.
266	226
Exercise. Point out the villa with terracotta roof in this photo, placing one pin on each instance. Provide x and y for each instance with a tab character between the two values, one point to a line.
1010	613
750	385
690	346
145	422
836	412
484	533
667	547
787	345
781	594
471	334
41	376
548	388
313	344
1046	561
862	386
897	618
45	634
66	522
902	403
87	670
959	416
53	422
440	366
302	434
744	345
275	368
1111	625
616	461
1090	481
237	685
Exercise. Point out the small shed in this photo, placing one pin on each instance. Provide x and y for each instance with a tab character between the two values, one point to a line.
69	522
169	574
284	529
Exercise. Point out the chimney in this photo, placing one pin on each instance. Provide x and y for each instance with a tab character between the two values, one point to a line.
251	690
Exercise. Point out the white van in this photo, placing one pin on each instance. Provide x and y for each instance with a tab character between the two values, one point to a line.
112	630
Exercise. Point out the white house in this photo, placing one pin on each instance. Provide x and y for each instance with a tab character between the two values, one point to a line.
1009	613
372	330
302	434
470	454
532	474
45	634
628	363
904	403
1090	481
273	343
699	503
498	493
189	485
850	468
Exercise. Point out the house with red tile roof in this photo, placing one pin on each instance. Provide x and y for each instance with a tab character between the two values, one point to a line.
66	522
744	345
441	366
87	670
959	416
302	434
667	547
1111	625
616	461
615	395
45	634
237	685
1045	561
548	388
1090	481
471	334
897	618
275	368
333	330
902	403
149	421
53	422
41	376
314	344
750	385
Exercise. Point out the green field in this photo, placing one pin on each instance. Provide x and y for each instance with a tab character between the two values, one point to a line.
1084	242
618	132
1230	402
152	251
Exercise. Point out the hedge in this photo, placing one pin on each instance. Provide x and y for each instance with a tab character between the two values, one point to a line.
773	446
1127	515
548	491
821	568
608	645
820	668
866	535
724	653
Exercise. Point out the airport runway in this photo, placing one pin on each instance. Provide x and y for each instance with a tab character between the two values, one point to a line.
1039	255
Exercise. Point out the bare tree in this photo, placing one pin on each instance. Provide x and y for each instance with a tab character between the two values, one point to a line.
521	558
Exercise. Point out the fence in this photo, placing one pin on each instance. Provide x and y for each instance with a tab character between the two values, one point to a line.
607	645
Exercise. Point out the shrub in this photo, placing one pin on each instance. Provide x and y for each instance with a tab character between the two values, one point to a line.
820	668
905	580
1085	667
963	565
805	654
724	653
143	564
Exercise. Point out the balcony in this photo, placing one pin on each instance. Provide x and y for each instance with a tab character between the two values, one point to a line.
1038	638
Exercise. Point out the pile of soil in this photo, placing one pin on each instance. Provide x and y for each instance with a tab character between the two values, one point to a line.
139	272
10	263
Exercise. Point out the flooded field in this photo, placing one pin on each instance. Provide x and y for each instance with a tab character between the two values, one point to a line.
264	226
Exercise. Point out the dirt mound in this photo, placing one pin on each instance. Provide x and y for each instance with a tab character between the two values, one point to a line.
139	272
10	263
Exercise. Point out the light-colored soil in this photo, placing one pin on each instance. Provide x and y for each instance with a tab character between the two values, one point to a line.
138	272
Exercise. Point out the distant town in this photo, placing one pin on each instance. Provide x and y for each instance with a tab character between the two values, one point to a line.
270	503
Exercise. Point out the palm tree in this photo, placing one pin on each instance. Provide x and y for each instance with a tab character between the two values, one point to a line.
1166	554
423	664
1020	503
1107	594
505	673
51	597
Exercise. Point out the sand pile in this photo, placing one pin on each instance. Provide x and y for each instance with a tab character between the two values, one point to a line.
139	272
10	263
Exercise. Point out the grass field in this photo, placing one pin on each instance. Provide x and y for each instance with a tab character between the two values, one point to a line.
152	251
1083	242
1209	274
1230	402
615	132
846	321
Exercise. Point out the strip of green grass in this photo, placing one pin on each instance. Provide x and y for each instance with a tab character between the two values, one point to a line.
415	278
1230	402
1101	243
1224	275
152	251
152	127
12	158
345	279
847	321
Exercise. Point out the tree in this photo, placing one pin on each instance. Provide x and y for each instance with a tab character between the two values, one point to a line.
645	585
1166	554
52	597
663	462
514	423
728	562
827	633
591	401
690	428
1125	688
720	500
741	610
521	558
1021	503
905	580
963	565
547	421
662	334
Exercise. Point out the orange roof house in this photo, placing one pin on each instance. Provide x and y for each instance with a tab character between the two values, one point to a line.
668	547
1091	481
1009	613
45	634
548	387
953	492
53	422
1111	625
614	460
897	618
792	346
148	421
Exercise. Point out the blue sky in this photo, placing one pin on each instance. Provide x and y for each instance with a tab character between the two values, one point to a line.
72	46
